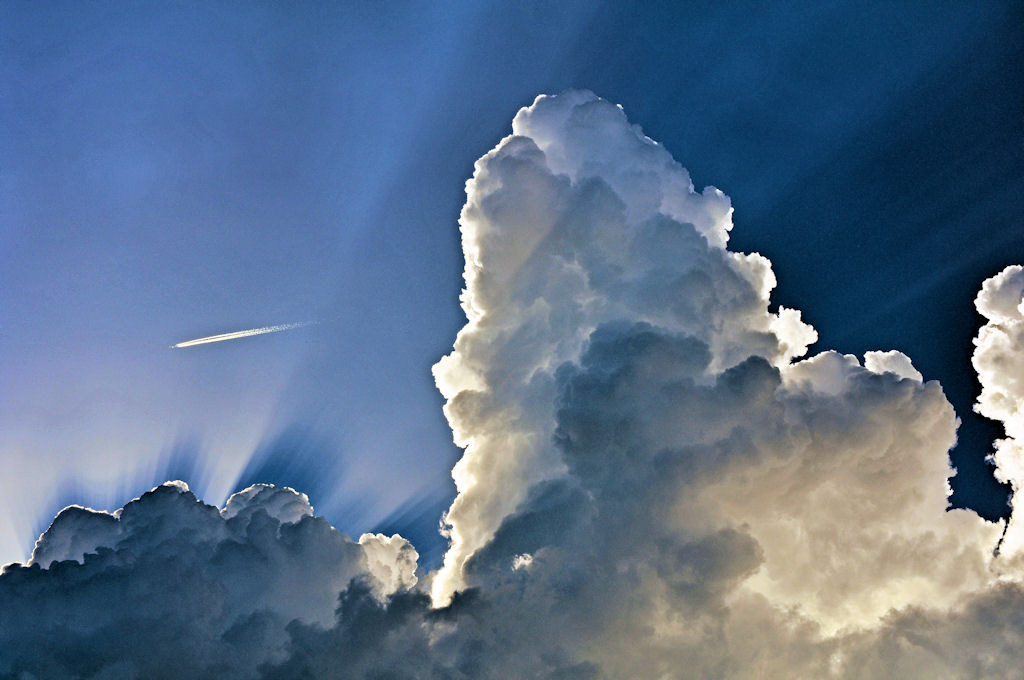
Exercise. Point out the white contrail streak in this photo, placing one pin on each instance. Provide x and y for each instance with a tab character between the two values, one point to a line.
242	334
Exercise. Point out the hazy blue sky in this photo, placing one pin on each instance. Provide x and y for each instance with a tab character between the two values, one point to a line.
196	168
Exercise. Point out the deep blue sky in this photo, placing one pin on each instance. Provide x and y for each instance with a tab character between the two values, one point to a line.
170	172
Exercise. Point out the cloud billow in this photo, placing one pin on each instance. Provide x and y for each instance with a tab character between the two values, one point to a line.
654	485
171	587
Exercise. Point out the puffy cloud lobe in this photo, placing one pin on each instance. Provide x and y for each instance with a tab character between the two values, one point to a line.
75	532
616	348
168	582
653	486
284	504
999	360
894	362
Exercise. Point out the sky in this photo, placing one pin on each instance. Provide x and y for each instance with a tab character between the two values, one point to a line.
174	172
203	168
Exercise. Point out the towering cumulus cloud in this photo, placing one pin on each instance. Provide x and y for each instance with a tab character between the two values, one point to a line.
574	221
169	587
654	485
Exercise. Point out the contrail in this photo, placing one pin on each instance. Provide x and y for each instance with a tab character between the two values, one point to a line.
242	334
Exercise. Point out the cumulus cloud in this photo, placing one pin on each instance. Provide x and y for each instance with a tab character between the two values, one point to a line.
999	360
168	586
655	483
574	220
390	563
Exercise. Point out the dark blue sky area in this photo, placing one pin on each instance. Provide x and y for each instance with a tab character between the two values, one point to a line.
172	172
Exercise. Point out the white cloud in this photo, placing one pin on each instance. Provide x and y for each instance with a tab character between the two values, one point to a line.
654	484
574	220
894	362
390	563
168	581
284	504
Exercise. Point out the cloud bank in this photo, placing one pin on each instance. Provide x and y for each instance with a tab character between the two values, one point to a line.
655	484
999	360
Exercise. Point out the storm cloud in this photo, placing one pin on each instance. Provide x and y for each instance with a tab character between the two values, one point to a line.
655	483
